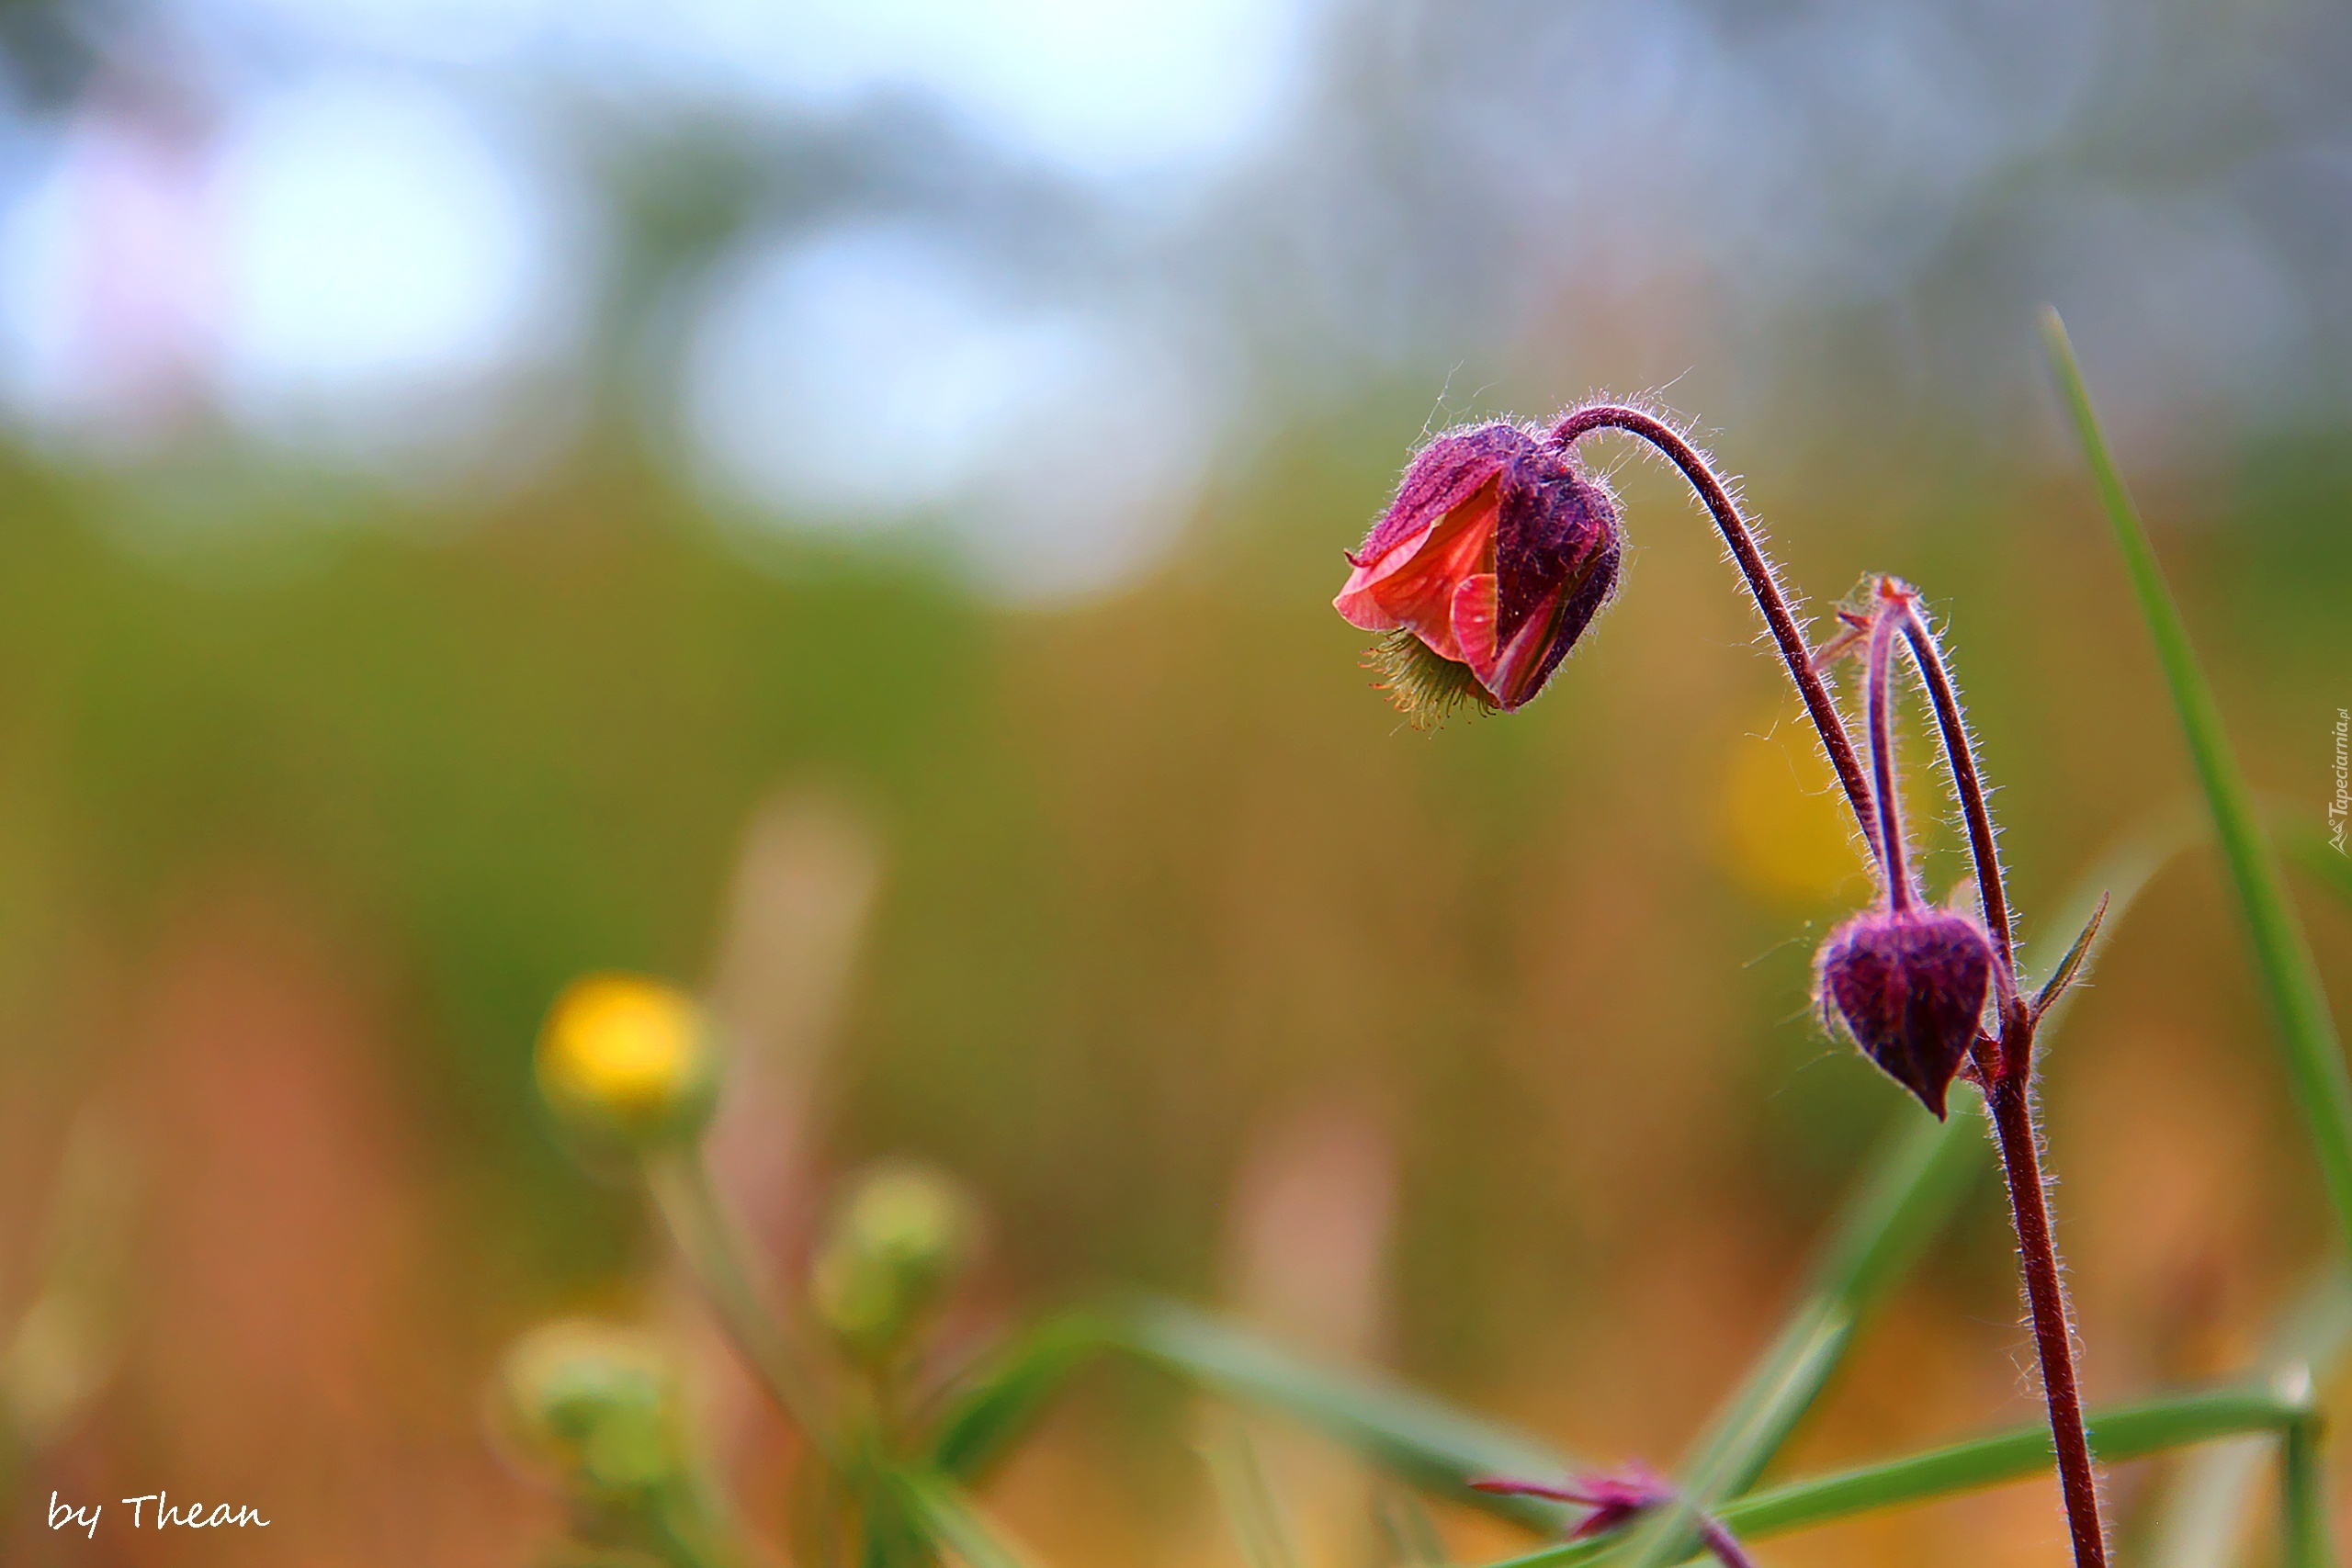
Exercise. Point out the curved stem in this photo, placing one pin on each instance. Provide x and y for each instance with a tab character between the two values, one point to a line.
1960	752
1761	583
1877	702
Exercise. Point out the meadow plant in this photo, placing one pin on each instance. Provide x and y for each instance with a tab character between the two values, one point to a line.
1485	571
1496	556
597	1409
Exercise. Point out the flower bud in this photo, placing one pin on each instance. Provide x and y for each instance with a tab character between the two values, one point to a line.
595	1404
1490	564
629	1060
895	1244
1909	985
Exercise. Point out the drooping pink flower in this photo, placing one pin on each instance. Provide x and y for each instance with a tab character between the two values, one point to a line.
1485	568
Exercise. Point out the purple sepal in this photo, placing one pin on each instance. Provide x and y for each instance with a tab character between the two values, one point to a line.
1442	475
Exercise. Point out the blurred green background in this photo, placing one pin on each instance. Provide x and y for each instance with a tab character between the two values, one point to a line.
840	506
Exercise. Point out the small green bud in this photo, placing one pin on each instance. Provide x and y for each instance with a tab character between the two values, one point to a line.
897	1241
595	1404
629	1060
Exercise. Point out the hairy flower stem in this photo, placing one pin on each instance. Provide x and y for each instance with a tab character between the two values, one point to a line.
1878	701
1757	569
2005	1069
2012	1103
1960	752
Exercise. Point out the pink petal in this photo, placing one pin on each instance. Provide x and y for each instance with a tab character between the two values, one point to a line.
1413	585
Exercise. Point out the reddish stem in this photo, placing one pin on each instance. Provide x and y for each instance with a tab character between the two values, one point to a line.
1960	753
1761	583
1725	1546
2005	1067
1878	701
2012	1104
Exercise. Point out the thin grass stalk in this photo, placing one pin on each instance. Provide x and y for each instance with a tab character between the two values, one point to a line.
1912	1188
2302	1503
2316	1067
947	1517
1412	1536
705	1240
2202	1522
1404	1432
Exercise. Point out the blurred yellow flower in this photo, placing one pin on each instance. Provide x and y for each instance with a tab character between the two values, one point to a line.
1783	829
622	1056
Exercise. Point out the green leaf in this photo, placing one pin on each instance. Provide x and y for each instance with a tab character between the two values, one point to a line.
2201	1522
2131	1432
2068	966
1416	1436
1004	1400
949	1518
2302	1488
2306	1030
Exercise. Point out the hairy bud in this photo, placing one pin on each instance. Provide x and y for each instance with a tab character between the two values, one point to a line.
1909	985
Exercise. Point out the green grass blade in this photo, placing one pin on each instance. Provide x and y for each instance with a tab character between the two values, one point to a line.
948	1517
2203	1520
2314	1055
1418	1438
2131	1432
2303	1497
1001	1402
1911	1189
